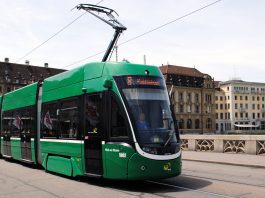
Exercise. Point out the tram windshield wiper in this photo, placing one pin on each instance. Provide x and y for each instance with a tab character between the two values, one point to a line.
171	133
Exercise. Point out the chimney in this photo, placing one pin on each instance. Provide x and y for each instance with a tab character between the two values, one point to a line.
7	60
26	62
46	65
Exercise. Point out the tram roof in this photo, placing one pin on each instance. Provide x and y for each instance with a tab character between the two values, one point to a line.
23	97
90	77
70	83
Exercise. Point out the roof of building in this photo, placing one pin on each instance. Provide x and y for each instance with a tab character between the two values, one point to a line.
217	84
180	70
26	73
241	82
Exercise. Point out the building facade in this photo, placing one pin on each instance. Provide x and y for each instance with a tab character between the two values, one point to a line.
193	96
240	107
14	76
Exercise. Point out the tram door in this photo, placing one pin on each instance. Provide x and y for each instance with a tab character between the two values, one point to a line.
26	146
6	133
93	134
26	123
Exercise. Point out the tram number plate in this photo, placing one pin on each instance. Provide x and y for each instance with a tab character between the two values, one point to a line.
122	155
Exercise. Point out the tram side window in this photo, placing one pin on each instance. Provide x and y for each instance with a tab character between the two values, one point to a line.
6	123
49	121
16	123
27	120
69	119
118	125
93	114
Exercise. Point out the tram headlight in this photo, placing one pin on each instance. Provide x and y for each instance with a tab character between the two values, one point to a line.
150	150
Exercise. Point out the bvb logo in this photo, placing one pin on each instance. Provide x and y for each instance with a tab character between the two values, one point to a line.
167	166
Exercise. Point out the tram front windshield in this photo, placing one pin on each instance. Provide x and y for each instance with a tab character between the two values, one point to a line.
148	105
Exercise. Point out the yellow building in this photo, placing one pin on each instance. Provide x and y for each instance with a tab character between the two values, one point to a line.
240	106
193	98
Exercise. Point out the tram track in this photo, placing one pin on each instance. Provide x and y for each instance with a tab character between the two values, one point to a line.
192	189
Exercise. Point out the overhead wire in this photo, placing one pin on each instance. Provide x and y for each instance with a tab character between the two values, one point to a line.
55	34
148	32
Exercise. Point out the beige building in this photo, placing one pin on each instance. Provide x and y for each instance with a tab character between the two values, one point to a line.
193	98
240	106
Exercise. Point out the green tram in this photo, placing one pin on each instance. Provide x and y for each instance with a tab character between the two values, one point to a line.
89	121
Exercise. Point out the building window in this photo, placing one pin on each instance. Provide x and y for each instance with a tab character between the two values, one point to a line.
236	114
180	97
216	106
241	115
8	89
253	98
216	116
221	106
221	116
189	124
257	98
241	97
258	115
246	97
253	106
181	124
246	115
258	106
209	123
235	105
246	106
221	98
235	97
228	105
197	124
253	115
180	108
228	114
197	109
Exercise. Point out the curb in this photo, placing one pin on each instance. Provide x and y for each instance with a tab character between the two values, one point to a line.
226	163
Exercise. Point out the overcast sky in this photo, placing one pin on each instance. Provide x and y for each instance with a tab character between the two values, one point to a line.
225	40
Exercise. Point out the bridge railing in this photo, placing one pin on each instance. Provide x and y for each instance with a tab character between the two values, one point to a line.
249	144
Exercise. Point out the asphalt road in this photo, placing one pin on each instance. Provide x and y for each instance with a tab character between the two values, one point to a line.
197	180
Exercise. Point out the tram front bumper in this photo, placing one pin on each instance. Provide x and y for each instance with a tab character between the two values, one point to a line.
141	168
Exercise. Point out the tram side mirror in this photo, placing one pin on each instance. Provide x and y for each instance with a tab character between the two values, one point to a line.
58	112
107	84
